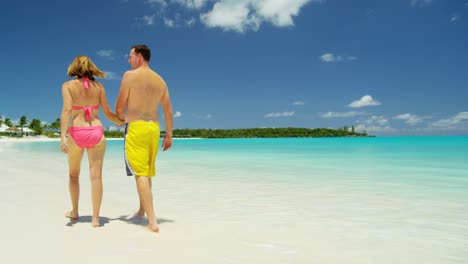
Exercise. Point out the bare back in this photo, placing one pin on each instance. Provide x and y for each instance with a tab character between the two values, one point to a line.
84	97
145	90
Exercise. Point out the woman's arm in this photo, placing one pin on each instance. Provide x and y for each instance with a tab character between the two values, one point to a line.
107	110
65	117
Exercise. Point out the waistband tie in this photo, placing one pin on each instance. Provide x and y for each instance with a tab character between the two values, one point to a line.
87	112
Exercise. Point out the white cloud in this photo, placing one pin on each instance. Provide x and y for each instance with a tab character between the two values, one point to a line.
159	2
410	119
191	22
366	100
169	22
330	57
342	114
454	18
375	124
280	114
456	121
111	75
105	53
375	129
177	114
191	4
421	3
148	20
231	15
298	103
279	12
178	21
243	15
234	15
375	120
207	116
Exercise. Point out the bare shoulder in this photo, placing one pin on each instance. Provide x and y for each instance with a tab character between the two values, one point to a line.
67	84
159	77
128	74
100	85
70	82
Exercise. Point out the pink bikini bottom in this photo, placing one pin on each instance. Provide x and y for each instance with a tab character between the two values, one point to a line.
86	137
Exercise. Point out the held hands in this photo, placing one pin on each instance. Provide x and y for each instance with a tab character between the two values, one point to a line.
119	121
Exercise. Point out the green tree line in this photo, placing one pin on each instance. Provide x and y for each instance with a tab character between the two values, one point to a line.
41	128
265	133
35	124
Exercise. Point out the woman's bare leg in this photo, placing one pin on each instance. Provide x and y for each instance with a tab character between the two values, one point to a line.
75	154
96	159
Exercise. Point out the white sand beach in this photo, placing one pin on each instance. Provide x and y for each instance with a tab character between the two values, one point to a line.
223	209
34	197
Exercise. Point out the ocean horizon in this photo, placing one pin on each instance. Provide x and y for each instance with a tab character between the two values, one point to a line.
298	200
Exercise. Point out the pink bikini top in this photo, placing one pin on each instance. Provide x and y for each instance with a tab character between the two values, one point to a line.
87	109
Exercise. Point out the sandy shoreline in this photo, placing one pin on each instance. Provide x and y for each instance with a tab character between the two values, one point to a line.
28	139
4	139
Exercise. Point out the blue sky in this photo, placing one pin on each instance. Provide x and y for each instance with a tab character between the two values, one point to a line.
388	67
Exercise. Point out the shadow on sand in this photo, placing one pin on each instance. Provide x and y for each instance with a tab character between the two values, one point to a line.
87	219
140	221
134	220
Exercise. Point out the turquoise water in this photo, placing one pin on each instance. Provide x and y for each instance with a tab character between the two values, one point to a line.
434	167
374	200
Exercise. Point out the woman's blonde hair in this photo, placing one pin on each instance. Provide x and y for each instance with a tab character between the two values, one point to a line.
82	66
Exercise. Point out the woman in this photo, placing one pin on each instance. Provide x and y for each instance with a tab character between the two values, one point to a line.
81	100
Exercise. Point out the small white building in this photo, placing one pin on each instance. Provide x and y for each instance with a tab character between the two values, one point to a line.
17	130
28	132
3	128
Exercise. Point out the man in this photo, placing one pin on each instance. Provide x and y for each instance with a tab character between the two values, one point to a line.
141	91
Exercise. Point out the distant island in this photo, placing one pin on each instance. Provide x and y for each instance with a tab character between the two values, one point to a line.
255	133
37	127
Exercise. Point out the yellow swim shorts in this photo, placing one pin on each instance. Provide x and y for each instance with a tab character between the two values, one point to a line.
141	147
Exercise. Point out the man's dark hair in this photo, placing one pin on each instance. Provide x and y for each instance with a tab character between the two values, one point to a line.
143	50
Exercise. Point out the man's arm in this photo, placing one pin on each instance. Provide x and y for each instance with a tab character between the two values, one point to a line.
168	118
122	98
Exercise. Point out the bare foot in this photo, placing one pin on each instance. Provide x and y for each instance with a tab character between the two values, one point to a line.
72	215
153	228
136	214
95	222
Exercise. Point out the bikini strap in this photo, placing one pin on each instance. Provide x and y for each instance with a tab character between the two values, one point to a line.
87	110
85	82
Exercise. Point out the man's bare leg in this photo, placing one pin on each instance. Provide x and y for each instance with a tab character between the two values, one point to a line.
146	199
141	211
75	155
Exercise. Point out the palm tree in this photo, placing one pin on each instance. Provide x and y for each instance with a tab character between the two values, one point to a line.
55	125
8	122
2	119
23	121
36	126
